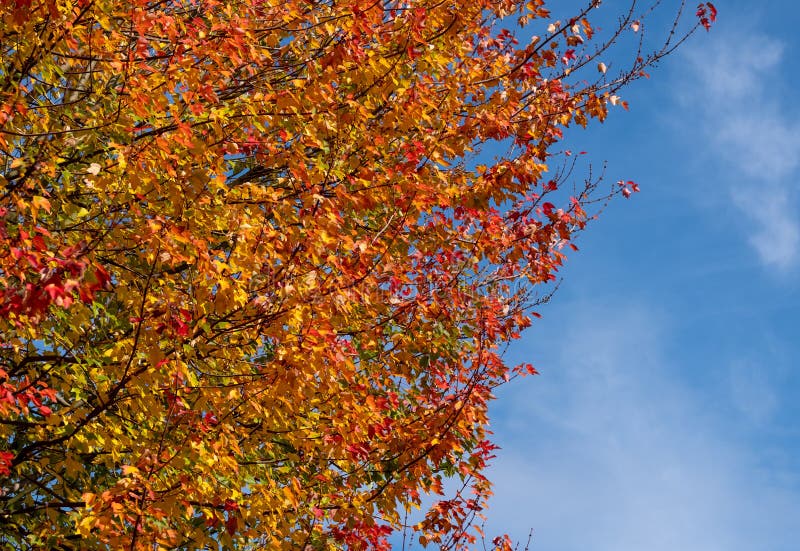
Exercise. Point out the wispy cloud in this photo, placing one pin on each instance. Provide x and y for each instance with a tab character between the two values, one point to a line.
734	89
610	452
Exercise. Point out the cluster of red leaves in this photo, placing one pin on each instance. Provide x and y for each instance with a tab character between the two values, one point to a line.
36	273
23	397
707	13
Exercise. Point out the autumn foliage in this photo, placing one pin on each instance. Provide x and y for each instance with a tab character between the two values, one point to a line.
257	268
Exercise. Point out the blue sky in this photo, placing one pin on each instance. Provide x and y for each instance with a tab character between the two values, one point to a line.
666	415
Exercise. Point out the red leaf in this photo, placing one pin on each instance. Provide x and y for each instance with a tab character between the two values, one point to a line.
102	276
5	462
54	290
231	523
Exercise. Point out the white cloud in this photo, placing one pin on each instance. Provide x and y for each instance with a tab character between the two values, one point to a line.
733	68
734	89
776	235
611	453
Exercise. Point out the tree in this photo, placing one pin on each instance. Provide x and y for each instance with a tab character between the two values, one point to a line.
256	274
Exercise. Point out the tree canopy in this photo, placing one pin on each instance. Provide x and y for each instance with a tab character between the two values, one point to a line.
257	269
